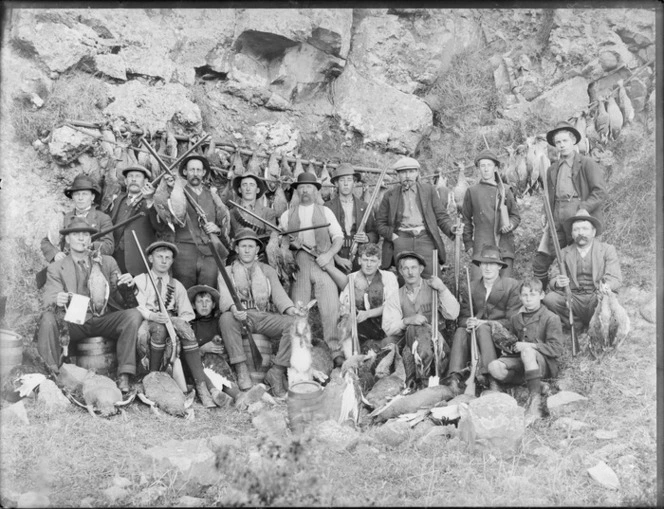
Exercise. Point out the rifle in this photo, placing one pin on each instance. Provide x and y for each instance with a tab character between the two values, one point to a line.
353	315
435	380
367	213
339	278
474	354
40	277
457	258
215	244
559	257
174	361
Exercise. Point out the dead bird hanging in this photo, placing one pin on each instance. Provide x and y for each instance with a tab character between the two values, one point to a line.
97	285
609	325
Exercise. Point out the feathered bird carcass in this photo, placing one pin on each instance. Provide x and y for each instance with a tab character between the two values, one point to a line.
602	121
102	395
159	390
625	103
615	117
301	362
388	385
502	337
609	325
97	285
461	186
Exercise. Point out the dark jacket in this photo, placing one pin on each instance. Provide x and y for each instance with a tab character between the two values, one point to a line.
502	304
588	181
359	208
544	328
241	220
434	214
605	264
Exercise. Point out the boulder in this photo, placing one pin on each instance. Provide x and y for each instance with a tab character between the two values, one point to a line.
66	143
559	102
187	501
51	397
154	107
569	424
270	422
393	433
335	436
191	460
32	499
148	62
637	91
493	423
15	411
382	114
436	435
113	66
604	475
565	402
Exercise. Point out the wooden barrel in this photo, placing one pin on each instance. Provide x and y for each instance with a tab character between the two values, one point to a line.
264	345
305	405
11	351
97	353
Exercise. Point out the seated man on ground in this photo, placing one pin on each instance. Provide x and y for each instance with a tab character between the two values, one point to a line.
535	354
407	315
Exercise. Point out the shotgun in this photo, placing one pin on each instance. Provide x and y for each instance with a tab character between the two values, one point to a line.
437	347
367	213
457	258
353	315
559	259
474	354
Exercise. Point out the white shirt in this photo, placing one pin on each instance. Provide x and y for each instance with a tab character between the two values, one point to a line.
147	297
390	287
347	207
306	213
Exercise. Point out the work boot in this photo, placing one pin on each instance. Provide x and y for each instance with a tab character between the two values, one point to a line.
275	379
244	381
123	382
221	399
494	386
204	395
534	408
454	383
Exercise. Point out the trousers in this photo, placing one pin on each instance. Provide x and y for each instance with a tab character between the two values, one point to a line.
583	307
460	354
191	268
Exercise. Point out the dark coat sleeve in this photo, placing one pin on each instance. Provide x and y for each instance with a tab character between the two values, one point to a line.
106	243
551	344
593	175
467	218
512	208
383	227
443	219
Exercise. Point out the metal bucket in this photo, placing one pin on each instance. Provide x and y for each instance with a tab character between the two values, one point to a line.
264	345
305	405
97	353
11	351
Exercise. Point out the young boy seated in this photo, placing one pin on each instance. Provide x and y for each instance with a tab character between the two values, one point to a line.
539	333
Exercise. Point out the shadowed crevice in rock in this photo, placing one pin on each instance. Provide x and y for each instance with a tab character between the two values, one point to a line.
262	44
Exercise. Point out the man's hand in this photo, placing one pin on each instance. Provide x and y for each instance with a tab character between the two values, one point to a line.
361	238
295	242
126	279
506	229
212	347
293	311
561	281
437	284
473	323
543	220
62	299
159	317
211	228
59	256
520	346
170	181
415	320
148	190
323	259
362	316
344	263
240	316
394	237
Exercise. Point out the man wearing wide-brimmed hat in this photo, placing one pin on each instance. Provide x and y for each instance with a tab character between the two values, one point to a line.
84	193
250	188
494	298
349	210
139	197
195	263
410	215
575	183
315	270
70	275
588	263
267	310
481	212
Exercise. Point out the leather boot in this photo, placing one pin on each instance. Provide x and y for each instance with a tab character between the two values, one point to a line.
534	408
244	381
220	399
123	382
204	395
275	378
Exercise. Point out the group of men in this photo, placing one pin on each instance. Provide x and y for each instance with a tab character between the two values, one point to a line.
410	222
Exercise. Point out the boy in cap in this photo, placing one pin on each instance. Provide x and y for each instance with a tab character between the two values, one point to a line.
250	188
481	214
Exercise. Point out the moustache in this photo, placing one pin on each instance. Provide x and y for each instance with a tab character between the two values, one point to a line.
581	237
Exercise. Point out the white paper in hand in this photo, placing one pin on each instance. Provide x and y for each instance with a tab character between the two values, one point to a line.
78	307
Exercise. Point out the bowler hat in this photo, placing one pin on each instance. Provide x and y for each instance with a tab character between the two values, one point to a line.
83	182
487	154
140	168
406	163
237	181
161	243
78	224
203	159
306	178
489	254
562	126
411	254
196	289
343	170
583	215
245	234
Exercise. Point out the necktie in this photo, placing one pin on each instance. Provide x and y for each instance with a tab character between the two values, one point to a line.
81	278
159	288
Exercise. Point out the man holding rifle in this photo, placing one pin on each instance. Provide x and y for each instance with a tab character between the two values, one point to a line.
349	210
250	188
260	292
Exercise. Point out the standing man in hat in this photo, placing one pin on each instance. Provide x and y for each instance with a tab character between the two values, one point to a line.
138	198
258	287
250	188
588	263
84	192
495	297
195	263
69	276
349	210
575	183
483	223
407	311
325	243
410	215
154	335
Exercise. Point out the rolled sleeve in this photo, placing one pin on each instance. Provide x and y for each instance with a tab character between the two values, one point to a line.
334	229
392	322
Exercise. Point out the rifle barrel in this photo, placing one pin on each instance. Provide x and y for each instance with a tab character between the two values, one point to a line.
116	226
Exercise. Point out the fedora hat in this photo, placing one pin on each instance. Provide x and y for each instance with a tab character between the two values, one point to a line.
83	182
245	234
487	154
343	170
584	216
562	126
306	178
78	224
237	181
196	289
411	254
406	163
161	243
140	168
203	159
489	254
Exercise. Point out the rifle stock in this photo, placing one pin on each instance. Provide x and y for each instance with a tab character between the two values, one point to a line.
367	213
474	354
